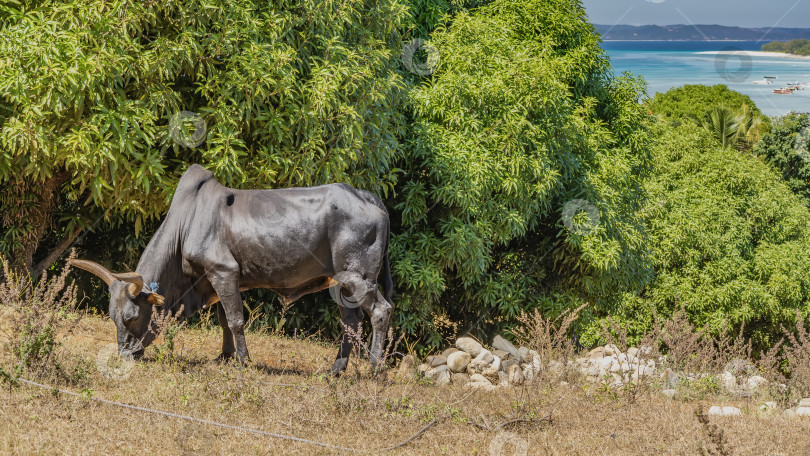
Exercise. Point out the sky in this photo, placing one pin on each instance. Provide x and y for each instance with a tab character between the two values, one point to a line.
742	13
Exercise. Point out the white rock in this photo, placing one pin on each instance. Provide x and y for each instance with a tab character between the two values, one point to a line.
606	362
668	392
622	357
724	411
728	381
645	350
632	351
516	375
478	366
469	345
440	375
458	361
755	382
529	373
502	344
768	407
496	362
505	365
485	356
478	378
804	402
481	386
597	353
611	350
801	411
524	354
593	371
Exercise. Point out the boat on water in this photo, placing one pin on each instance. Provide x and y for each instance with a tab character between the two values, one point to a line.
764	82
783	91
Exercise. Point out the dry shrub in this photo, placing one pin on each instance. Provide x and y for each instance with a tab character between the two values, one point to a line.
548	337
39	313
788	362
166	325
551	340
718	444
689	349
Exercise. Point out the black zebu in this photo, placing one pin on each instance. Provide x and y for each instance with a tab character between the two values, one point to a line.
217	241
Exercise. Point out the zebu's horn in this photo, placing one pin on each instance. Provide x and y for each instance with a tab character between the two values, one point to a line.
135	280
95	268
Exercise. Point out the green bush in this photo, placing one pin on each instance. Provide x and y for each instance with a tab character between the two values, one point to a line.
695	101
292	92
522	116
729	241
787	150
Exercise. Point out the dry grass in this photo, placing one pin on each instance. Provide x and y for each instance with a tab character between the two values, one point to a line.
288	390
359	413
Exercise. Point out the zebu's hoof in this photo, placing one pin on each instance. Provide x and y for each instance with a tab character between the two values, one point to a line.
339	366
224	357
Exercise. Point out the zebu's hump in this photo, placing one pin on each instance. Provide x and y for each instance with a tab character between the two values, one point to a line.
193	179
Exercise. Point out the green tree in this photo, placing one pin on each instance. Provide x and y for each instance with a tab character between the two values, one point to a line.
695	101
787	149
733	128
292	93
729	240
522	116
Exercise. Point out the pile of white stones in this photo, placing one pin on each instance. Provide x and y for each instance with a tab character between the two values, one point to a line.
617	366
472	365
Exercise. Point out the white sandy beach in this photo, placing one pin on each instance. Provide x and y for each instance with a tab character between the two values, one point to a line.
758	53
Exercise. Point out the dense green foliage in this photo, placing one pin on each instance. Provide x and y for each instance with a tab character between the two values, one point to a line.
787	149
292	92
730	117
694	101
479	162
522	116
729	239
798	47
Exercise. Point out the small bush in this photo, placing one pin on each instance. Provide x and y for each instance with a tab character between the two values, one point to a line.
38	312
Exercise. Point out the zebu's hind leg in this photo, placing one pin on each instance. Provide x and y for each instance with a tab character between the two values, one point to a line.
227	336
351	318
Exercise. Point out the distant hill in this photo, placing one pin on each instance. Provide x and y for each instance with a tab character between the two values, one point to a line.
683	32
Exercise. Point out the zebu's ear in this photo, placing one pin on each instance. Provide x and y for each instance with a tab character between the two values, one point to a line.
155	299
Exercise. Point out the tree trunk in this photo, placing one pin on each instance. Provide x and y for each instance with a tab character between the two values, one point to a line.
27	208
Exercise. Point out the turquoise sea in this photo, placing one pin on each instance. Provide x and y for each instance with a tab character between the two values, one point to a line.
668	64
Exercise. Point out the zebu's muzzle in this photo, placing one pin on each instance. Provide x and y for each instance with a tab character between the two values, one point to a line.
131	348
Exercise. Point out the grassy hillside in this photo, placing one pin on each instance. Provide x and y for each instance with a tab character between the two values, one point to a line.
286	391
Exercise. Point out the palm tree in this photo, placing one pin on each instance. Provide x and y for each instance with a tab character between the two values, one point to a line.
723	123
739	128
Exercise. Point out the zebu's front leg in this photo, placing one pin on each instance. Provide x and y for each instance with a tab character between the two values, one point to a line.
228	291
351	318
380	313
228	348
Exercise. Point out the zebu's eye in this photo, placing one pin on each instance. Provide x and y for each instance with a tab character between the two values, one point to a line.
130	313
